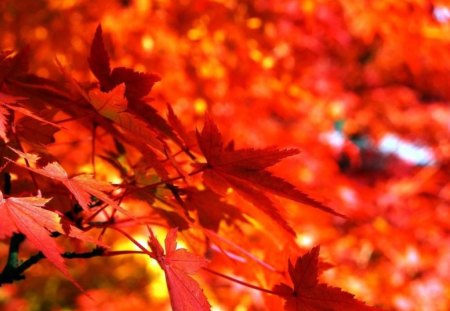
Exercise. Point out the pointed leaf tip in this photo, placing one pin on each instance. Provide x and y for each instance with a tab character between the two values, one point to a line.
308	294
99	59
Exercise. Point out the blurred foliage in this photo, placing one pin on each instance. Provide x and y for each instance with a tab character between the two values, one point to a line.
334	78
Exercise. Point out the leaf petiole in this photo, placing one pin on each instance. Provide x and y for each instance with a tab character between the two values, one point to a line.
264	290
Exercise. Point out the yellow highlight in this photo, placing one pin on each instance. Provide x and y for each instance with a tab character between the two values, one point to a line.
241	308
336	110
305	240
147	43
128	245
308	6
143	6
196	33
62	4
256	55
157	289
294	91
306	175
14	176
268	62
435	32
354	285
219	36
254	23
200	106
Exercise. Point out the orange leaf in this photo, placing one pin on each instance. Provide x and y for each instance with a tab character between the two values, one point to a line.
27	215
82	187
309	294
185	293
245	171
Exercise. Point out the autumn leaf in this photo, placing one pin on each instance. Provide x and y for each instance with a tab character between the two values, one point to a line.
178	264
9	102
188	138
27	215
211	210
308	294
35	132
245	171
113	105
173	219
99	60
82	186
137	85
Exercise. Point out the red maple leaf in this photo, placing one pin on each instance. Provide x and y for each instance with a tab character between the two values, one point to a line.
188	138
8	103
113	105
185	293
137	85
211	210
27	215
310	295
82	186
245	171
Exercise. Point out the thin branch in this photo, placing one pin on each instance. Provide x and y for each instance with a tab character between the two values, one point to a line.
240	282
129	237
14	271
119	253
93	142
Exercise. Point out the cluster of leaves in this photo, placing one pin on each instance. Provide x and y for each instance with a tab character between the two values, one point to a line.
160	163
347	82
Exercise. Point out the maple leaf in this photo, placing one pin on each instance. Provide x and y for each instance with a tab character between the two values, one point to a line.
9	102
309	294
113	105
99	60
27	215
244	170
137	85
35	132
211	210
175	122
82	186
185	293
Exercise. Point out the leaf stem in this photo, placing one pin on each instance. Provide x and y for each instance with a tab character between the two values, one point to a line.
93	145
129	237
201	169
268	291
119	253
